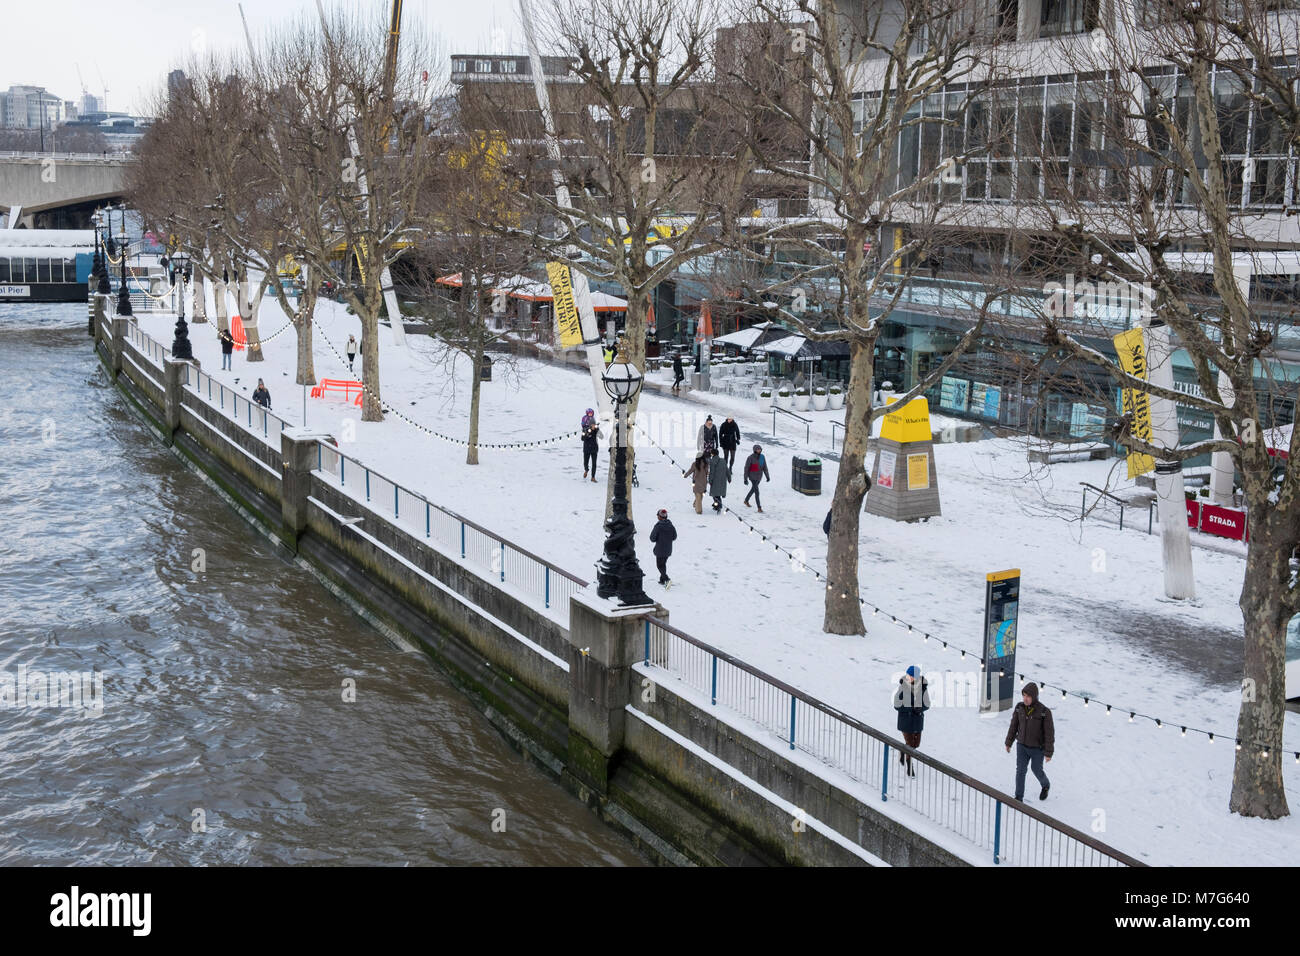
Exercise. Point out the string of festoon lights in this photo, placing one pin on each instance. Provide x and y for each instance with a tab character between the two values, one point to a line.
463	443
926	637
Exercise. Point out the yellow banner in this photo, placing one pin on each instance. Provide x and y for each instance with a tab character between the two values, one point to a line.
1130	346
909	423
918	472
567	326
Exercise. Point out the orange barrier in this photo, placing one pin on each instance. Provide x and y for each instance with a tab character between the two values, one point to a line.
337	384
237	333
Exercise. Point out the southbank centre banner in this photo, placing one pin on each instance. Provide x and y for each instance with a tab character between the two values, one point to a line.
568	327
1130	346
1001	614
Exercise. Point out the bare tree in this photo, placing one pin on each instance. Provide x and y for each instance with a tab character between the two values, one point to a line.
877	76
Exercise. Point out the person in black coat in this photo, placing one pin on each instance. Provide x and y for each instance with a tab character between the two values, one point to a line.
227	347
911	700
591	436
261	395
729	439
663	534
678	372
826	525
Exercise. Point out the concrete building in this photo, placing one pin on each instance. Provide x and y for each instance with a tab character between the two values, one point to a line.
22	107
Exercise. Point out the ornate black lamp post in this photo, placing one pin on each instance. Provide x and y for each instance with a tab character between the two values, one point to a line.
180	268
97	264
618	573
124	293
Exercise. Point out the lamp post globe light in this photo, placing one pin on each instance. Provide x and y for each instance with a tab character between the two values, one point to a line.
617	572
180	267
124	293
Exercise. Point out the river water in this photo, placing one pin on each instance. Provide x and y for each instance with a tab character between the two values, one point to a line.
220	733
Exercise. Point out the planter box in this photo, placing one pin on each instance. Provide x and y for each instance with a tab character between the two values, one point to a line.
836	401
783	401
819	402
765	402
801	403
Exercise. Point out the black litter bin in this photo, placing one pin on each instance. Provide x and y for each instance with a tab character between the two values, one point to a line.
485	369
806	475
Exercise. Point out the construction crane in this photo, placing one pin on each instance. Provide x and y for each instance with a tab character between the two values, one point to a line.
104	105
390	65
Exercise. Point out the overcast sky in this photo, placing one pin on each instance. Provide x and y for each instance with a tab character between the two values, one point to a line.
134	43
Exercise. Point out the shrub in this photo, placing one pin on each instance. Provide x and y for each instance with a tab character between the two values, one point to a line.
819	391
835	390
801	391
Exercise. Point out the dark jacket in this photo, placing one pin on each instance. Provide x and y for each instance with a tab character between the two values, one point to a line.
677	366
755	468
729	435
591	436
826	525
262	397
912	701
1032	726
663	534
718	477
707	438
227	341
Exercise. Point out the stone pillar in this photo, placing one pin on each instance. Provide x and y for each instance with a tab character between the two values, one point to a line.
90	313
300	451
174	372
99	314
604	642
120	325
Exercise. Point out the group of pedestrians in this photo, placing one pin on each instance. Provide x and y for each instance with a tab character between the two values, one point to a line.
1031	730
261	395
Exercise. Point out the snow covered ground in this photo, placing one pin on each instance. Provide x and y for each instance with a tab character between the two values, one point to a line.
1092	616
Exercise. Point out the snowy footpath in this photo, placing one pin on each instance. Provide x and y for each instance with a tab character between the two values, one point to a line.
1093	619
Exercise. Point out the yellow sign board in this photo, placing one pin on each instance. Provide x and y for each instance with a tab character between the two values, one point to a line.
567	325
1130	346
918	472
909	423
1002	575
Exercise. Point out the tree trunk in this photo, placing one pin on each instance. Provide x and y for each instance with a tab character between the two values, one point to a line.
476	361
249	309
843	607
371	407
199	310
1257	789
306	360
223	309
1175	540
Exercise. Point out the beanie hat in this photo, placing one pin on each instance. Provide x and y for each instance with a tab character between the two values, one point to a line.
1032	690
914	671
663	513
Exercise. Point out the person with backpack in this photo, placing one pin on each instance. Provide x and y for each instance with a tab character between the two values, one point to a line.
729	440
591	436
911	700
699	475
352	351
1035	738
678	372
755	471
718	477
662	535
227	348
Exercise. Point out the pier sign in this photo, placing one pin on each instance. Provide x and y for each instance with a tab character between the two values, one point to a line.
16	291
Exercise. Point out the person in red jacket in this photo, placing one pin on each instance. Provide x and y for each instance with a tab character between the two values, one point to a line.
754	471
1035	738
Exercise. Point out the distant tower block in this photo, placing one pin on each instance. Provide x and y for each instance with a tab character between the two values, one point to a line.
904	481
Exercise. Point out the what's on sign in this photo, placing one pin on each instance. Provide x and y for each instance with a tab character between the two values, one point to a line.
909	423
1001	613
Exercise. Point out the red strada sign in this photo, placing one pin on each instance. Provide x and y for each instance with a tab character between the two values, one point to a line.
1225	522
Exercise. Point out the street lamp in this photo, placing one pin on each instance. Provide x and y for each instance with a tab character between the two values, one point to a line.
97	264
180	267
617	572
123	294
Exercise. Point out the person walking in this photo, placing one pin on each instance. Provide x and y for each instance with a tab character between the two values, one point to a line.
1035	738
911	700
826	525
699	475
706	440
662	535
718	478
754	471
591	436
227	347
678	373
352	351
261	395
729	440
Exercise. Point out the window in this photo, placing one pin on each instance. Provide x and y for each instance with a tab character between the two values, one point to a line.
29	270
459	66
482	66
1063	17
42	270
508	66
4	270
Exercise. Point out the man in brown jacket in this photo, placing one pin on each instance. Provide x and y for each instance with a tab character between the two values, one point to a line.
1035	739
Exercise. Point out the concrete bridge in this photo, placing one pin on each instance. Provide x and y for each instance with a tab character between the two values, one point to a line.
59	190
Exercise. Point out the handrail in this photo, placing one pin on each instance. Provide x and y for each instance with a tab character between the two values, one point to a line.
938	765
835	425
1083	508
806	421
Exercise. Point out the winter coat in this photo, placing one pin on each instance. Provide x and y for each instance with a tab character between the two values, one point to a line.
718	477
912	701
262	397
699	475
729	435
663	534
678	372
227	341
755	468
591	436
1032	726
352	347
826	525
707	438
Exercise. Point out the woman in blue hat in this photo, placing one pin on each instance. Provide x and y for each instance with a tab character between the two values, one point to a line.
911	700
